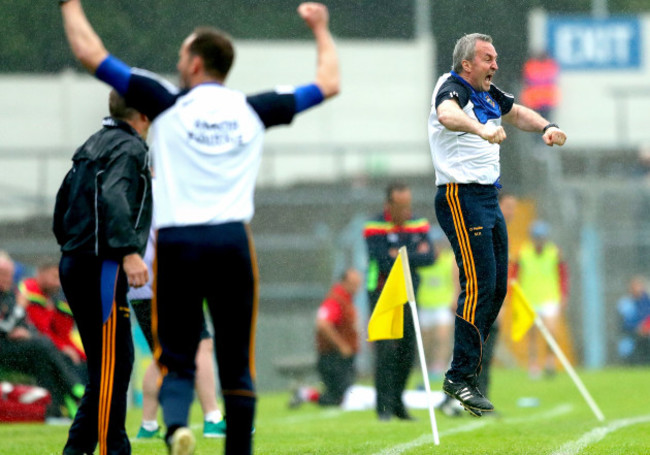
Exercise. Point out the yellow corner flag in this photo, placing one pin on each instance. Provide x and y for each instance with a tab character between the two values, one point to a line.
523	315
387	319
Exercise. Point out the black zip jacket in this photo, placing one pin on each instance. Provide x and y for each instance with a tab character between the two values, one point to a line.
104	204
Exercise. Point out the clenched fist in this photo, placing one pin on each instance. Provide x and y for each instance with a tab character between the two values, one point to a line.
314	14
493	134
554	136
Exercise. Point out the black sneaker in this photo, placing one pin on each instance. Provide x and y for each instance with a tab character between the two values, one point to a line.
468	395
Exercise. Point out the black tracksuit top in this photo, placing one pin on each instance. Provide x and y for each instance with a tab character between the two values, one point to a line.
104	204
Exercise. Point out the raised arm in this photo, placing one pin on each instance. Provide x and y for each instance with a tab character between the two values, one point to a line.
452	117
528	120
86	45
316	17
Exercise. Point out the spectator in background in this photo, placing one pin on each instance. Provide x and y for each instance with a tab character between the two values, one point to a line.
634	310
24	350
49	312
337	343
436	300
544	279
22	271
337	338
540	91
385	234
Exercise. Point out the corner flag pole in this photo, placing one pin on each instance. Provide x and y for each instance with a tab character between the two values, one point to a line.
418	335
567	366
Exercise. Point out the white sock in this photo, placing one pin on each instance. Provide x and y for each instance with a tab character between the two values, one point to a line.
150	425
214	416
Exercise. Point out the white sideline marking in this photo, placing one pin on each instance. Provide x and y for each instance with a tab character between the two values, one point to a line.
427	438
597	434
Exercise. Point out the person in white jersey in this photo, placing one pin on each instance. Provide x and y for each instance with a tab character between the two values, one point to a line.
214	426
206	145
464	135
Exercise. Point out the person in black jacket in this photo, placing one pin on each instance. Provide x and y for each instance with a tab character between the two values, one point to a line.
102	218
385	234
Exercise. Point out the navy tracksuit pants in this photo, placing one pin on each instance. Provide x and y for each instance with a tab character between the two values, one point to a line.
96	292
215	263
470	216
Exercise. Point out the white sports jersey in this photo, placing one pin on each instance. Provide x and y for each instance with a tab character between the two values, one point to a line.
206	146
206	154
460	157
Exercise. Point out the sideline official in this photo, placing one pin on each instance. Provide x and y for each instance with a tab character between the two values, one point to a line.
385	234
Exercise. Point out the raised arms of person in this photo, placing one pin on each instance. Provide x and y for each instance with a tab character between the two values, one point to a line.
452	117
528	120
316	17
85	44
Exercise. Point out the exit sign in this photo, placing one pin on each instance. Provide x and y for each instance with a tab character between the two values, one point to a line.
590	43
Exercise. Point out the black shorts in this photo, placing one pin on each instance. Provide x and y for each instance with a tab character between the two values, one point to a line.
142	310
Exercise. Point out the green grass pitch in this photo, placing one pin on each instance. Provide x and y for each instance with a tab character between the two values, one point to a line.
562	424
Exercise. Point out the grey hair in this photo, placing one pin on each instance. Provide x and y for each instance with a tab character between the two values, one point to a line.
465	49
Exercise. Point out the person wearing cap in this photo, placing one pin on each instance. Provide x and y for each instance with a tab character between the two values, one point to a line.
543	276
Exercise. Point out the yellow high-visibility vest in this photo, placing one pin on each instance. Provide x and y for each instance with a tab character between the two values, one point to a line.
539	275
437	288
